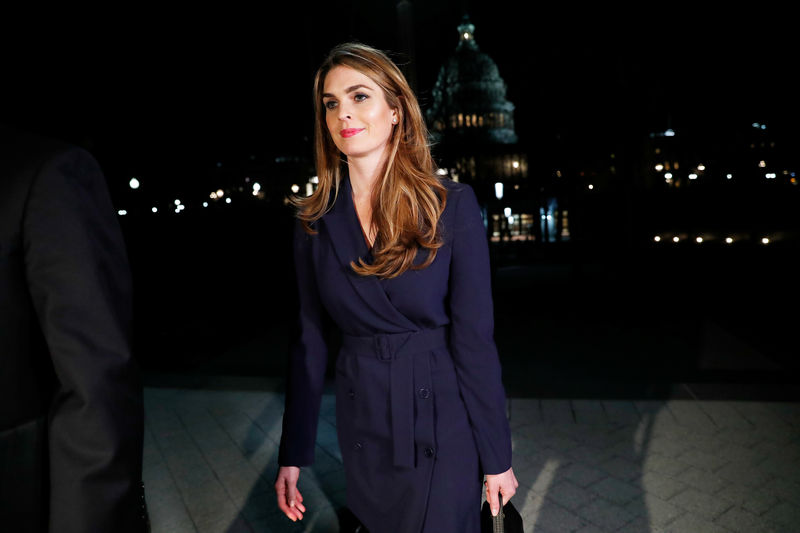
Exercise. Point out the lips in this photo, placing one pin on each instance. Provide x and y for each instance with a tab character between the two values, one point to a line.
349	132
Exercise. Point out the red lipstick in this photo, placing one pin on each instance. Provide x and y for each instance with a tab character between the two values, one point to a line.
349	132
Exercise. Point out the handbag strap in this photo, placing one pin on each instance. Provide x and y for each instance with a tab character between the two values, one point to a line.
498	521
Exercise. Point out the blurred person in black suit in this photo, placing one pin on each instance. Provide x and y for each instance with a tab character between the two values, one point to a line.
71	411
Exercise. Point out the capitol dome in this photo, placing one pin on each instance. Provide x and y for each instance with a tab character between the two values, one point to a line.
469	97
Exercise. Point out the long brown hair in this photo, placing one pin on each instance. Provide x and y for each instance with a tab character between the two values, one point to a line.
409	200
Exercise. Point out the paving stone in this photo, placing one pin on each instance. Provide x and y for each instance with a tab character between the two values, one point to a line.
621	412
661	486
784	489
689	414
591	455
622	468
557	411
582	475
724	415
744	474
653	510
569	495
701	504
702	480
785	514
741	521
702	459
692	523
754	501
589	412
661	464
605	514
639	525
615	490
552	517
667	446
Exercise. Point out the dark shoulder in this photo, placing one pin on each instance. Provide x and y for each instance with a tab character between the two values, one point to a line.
460	196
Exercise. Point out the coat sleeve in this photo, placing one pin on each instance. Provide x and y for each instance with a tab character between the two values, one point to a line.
79	281
308	357
472	335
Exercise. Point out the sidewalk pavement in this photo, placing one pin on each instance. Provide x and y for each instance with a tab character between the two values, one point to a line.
584	465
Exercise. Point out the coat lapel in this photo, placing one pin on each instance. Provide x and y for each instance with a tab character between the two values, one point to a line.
348	243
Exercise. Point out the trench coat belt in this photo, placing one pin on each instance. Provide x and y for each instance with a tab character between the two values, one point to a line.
397	350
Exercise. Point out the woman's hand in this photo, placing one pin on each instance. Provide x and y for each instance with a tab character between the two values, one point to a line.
505	483
289	498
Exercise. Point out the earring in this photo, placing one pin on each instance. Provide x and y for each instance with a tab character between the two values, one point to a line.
394	120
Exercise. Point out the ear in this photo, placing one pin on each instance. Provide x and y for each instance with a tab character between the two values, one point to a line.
394	116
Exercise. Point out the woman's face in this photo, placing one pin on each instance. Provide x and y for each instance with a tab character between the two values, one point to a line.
358	117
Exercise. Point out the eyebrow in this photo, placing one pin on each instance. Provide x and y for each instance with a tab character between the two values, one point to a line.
349	90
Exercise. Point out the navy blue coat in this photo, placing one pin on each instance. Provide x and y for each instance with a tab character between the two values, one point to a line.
420	404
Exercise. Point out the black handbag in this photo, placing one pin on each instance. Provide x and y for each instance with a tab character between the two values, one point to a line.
508	520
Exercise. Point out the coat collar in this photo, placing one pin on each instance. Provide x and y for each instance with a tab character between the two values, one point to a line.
348	243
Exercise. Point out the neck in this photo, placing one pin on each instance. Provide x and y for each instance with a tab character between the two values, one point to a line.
364	173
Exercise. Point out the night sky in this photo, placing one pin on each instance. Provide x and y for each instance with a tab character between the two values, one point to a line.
178	90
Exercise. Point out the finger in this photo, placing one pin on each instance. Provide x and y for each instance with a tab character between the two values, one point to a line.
299	502
494	502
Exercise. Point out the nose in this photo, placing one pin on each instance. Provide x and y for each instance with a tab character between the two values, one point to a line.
344	112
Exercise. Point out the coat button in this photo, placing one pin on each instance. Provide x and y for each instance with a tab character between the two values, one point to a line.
424	393
351	393
428	452
357	446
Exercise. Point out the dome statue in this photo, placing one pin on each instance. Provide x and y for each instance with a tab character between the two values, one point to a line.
469	97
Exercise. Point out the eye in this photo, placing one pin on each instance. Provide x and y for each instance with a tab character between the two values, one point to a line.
330	104
360	97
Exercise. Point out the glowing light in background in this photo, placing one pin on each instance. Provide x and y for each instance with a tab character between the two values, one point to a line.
765	240
220	193
154	210
227	200
659	167
729	240
762	164
692	176
507	212
699	240
122	212
729	176
205	204
134	183
295	187
675	239
498	190
515	164
657	238
591	186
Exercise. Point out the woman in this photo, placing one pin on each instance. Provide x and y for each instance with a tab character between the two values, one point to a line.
398	258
